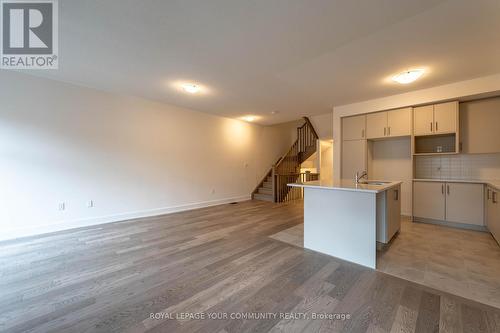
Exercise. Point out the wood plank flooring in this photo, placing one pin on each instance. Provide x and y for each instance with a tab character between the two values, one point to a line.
123	277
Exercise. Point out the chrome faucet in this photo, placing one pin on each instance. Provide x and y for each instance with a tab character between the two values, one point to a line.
360	176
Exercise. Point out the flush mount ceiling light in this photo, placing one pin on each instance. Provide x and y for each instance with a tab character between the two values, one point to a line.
249	118
408	76
190	88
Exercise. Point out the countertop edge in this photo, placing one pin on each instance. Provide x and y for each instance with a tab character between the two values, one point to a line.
336	188
492	183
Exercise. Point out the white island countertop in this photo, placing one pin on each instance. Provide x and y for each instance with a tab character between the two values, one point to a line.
348	185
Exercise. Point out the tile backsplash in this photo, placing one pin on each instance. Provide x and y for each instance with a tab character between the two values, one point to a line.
460	166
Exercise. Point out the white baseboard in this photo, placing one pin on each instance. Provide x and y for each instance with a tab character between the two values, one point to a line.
10	234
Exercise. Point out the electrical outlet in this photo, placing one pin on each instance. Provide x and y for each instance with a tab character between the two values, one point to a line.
62	206
90	203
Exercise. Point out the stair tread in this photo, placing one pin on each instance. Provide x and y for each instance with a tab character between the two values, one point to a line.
263	197
265	190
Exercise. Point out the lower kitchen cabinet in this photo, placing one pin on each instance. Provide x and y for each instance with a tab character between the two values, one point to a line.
493	212
388	214
459	203
465	203
429	200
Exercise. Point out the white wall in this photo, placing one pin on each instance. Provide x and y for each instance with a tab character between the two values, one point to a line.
326	160
323	125
132	157
459	90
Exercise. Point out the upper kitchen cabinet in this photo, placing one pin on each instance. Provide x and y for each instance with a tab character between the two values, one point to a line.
435	129
376	125
479	126
423	120
354	128
385	124
446	118
436	119
399	122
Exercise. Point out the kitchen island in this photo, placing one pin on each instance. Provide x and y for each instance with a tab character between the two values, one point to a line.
345	220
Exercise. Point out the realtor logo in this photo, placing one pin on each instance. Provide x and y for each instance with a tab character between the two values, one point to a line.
29	34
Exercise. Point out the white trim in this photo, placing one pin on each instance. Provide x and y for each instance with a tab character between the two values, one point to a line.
121	217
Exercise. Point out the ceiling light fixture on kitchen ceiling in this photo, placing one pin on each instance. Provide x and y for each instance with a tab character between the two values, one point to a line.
191	88
408	76
249	118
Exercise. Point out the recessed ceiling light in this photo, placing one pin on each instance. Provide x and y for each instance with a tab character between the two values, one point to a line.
191	88
408	76
248	118
275	112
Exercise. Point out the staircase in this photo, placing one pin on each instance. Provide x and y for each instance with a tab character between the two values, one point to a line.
273	186
265	191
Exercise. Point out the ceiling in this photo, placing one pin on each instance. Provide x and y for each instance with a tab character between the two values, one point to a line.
297	57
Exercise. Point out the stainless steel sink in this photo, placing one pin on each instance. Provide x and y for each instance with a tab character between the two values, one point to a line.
372	182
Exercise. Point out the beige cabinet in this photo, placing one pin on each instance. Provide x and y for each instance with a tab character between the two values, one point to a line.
376	125
479	130
446	118
493	212
388	214
399	122
353	158
436	119
465	203
353	128
388	123
423	120
429	200
450	202
393	211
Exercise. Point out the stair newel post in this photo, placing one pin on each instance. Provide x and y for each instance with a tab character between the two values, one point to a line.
274	183
307	136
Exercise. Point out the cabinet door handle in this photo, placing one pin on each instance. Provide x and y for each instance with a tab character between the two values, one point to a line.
495	197
488	194
389	131
436	126
363	133
385	131
431	126
448	189
396	195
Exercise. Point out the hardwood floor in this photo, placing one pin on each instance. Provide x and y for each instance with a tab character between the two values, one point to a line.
123	277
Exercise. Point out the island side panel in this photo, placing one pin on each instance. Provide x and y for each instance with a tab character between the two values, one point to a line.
341	224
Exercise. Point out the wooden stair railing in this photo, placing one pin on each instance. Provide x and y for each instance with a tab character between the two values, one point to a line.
287	169
286	193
